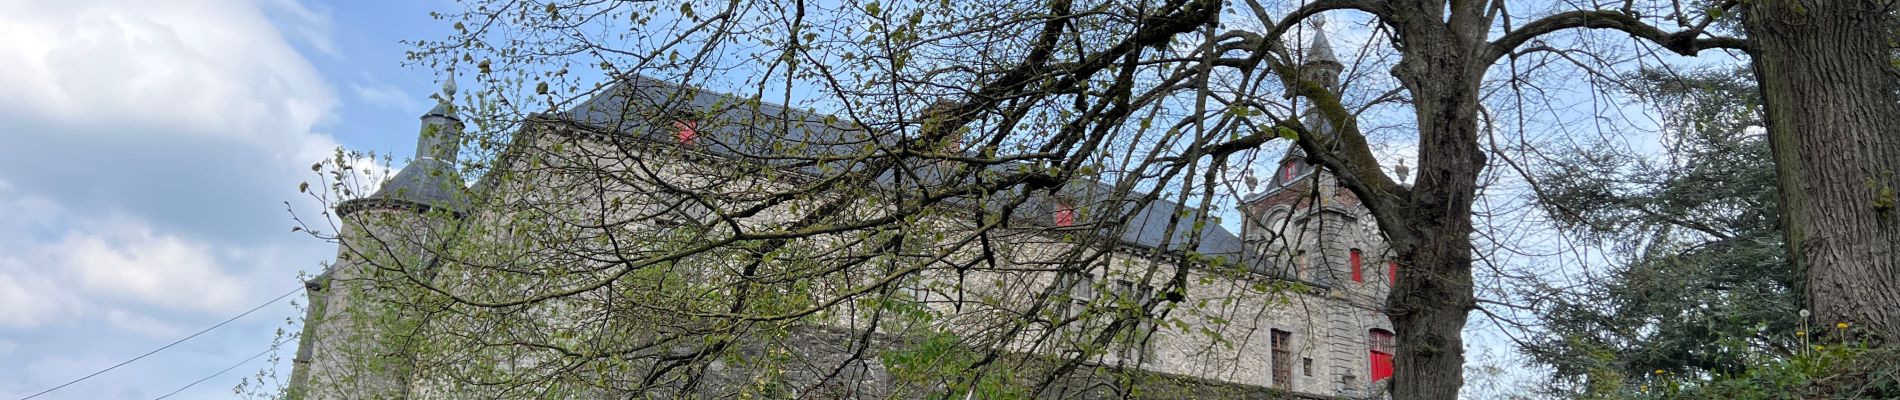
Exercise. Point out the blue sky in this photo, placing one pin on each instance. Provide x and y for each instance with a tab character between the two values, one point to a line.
148	153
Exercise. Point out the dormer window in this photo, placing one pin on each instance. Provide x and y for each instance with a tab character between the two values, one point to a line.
1290	171
1065	215
686	130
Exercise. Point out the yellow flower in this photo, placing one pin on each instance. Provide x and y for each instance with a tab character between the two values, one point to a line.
1820	348
1800	333
1840	325
1659	372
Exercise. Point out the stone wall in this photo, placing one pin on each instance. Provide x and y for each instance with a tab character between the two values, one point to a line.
1212	342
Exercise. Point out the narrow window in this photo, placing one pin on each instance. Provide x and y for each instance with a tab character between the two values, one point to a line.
1288	172
1065	215
1306	366
1282	359
687	130
1392	268
1357	274
1380	345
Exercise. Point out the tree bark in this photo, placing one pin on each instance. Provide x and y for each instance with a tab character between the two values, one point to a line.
1834	126
1429	304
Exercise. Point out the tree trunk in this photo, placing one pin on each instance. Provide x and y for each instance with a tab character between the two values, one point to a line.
1834	126
1433	296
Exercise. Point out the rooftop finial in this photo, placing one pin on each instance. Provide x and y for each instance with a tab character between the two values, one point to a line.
1403	171
448	85
1318	22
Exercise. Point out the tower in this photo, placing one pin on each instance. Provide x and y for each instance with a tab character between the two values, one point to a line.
357	316
1318	232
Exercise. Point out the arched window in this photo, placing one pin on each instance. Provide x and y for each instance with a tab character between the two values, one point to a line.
1380	346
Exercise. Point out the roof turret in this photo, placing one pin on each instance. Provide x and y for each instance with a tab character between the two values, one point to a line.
431	179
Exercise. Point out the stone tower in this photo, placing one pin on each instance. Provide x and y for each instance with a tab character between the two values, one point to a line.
1316	231
357	321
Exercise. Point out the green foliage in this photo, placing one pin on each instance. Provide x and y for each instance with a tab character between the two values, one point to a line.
1698	283
943	355
1849	370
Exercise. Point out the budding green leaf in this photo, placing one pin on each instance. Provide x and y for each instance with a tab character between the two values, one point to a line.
1287	133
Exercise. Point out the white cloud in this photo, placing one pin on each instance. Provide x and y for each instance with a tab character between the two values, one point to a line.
386	96
129	261
179	128
311	25
28	298
205	67
142	184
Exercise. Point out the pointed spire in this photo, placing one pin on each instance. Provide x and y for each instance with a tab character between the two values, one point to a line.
441	129
1317	61
1320	50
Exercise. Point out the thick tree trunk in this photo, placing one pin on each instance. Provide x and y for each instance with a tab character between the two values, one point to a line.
1433	296
1834	126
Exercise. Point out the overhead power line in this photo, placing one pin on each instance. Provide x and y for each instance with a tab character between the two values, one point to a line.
221	372
174	343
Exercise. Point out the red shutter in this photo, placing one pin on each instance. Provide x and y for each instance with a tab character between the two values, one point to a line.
1065	215
688	131
1357	276
1393	269
1381	354
1287	172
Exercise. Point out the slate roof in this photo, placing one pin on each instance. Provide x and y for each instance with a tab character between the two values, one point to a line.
427	182
790	138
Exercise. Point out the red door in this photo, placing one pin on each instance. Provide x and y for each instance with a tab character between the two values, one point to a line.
1381	349
1381	366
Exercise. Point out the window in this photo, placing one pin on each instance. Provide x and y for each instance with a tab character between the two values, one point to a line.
1282	359
1080	287
687	131
1381	349
1392	268
1357	275
1135	346
1289	171
1065	215
1306	366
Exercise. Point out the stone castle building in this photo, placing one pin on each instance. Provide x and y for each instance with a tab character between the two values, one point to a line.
596	230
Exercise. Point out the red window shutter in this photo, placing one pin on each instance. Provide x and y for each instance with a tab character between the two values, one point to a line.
1393	269
1287	172
688	131
1357	276
1065	215
1381	354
